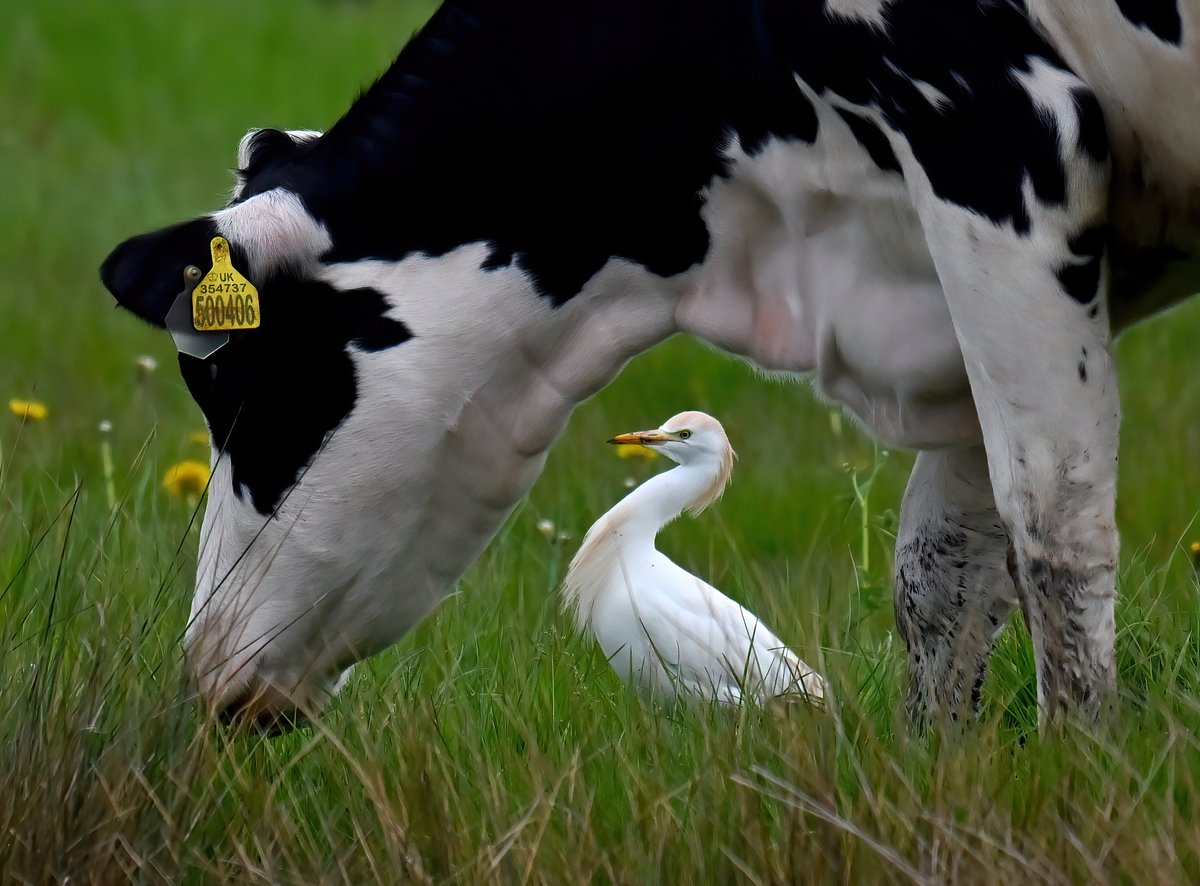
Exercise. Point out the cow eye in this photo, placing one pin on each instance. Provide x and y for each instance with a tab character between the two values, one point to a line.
683	435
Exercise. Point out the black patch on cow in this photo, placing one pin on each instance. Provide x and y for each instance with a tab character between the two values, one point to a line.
1093	134
1159	17
562	134
981	145
528	132
273	394
871	137
1080	278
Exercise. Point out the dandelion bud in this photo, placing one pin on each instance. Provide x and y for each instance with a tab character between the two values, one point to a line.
28	410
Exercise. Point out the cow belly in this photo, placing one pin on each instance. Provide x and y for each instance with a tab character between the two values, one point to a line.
819	267
891	357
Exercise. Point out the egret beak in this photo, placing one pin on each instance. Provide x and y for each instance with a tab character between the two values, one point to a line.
640	438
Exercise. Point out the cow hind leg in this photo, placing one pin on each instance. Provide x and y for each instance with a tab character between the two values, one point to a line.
953	589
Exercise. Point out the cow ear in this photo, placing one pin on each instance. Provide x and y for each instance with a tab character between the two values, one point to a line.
145	273
260	148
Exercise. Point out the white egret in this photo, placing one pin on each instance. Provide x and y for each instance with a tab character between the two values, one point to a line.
661	627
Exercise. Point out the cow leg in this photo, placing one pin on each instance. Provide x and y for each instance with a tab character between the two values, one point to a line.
953	589
1046	392
1025	276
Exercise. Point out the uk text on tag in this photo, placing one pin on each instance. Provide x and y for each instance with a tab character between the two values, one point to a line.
224	299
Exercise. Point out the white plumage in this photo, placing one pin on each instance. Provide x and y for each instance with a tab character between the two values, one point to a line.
661	627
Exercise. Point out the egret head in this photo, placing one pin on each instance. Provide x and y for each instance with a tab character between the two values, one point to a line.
691	439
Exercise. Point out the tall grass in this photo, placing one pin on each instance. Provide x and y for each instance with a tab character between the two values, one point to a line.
493	743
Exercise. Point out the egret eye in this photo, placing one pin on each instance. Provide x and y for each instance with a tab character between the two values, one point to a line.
683	435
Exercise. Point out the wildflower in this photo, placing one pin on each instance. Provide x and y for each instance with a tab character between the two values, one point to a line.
146	365
187	479
1196	554
105	427
198	437
632	450
630	482
546	528
29	410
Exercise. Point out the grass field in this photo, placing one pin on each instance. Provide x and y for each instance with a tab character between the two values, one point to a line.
492	744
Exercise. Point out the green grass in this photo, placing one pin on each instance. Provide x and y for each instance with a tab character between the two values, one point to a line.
493	744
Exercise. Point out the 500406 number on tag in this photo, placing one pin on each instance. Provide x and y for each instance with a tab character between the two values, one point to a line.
224	305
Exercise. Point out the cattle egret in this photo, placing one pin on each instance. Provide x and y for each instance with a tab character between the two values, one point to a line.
661	627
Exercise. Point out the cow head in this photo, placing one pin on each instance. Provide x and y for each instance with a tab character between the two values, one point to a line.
372	434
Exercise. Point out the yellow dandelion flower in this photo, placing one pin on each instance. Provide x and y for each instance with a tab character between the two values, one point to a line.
198	437
632	450
30	410
186	479
1196	547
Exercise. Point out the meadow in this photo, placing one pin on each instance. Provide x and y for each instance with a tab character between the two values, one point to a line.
493	744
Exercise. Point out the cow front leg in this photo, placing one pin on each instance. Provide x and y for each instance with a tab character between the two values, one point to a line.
1045	390
953	589
1022	262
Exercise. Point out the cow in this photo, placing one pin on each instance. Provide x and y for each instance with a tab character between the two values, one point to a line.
940	211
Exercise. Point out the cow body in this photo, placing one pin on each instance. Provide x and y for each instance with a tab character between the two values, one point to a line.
940	211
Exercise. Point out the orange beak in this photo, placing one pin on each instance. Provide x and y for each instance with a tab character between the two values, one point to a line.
640	438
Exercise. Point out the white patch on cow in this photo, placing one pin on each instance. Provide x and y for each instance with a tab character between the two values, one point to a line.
872	12
275	231
819	265
1053	92
940	101
473	401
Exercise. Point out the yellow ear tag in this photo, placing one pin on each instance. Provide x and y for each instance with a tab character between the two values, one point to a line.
224	299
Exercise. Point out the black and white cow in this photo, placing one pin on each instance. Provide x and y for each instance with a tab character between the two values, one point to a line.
942	210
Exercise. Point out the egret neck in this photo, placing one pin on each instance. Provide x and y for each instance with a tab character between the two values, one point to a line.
638	517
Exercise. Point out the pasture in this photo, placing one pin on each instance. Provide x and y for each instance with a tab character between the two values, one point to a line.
492	744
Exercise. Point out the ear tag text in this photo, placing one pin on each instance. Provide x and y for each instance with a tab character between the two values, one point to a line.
224	300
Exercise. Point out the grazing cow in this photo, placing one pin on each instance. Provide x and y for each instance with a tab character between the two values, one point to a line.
941	210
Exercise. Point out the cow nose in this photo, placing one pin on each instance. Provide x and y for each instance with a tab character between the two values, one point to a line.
262	709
